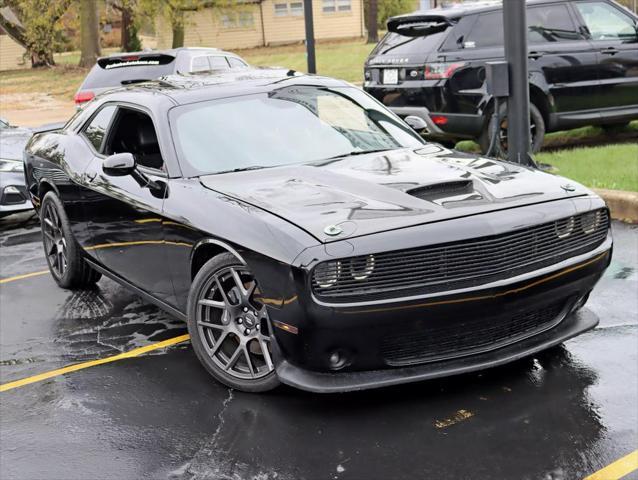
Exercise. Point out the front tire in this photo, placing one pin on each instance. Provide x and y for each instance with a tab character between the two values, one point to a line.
63	254
229	326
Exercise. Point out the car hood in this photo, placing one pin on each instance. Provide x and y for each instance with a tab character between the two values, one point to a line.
12	142
364	194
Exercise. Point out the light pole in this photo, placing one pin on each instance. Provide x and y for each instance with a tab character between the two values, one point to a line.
518	122
310	36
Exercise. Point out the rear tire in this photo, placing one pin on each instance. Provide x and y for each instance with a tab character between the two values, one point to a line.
63	254
229	328
538	132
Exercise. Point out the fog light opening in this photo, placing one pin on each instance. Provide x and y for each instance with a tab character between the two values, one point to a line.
338	360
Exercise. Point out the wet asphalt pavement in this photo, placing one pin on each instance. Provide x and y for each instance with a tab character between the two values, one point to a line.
564	414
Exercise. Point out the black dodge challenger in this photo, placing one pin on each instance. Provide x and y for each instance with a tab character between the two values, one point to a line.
308	236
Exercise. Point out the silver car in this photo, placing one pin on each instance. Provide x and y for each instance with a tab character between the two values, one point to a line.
134	67
13	192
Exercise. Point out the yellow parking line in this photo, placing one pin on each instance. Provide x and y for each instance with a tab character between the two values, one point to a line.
80	366
620	468
21	277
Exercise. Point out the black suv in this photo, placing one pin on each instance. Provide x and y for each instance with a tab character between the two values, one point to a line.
583	67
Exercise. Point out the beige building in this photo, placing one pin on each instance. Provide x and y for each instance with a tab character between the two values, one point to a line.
11	53
267	22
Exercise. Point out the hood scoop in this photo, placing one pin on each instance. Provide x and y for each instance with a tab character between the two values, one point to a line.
438	191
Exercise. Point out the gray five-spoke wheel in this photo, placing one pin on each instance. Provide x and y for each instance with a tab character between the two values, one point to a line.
54	241
233	324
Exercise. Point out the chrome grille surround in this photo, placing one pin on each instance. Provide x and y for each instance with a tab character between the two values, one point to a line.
462	264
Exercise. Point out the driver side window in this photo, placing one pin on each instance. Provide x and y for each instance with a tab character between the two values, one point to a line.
133	132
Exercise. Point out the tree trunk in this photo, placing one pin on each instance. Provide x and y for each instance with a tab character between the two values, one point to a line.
178	29
125	38
372	21
89	32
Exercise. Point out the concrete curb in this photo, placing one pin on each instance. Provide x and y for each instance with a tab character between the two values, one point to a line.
623	205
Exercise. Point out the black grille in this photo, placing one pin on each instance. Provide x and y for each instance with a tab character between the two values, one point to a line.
469	337
460	264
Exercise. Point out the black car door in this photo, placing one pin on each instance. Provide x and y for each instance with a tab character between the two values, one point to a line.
614	35
124	214
561	57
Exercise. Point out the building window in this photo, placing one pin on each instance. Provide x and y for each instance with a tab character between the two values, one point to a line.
332	6
238	20
281	9
296	9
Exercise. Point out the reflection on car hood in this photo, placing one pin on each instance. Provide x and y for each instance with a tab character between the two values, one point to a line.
383	191
13	141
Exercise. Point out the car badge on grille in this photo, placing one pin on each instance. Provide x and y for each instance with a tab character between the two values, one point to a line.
568	187
332	230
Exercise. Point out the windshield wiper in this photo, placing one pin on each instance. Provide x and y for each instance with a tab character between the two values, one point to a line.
242	169
359	152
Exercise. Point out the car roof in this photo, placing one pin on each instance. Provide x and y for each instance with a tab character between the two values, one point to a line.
457	11
183	89
173	52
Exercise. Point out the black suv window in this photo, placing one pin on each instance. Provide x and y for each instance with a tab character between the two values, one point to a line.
546	23
605	22
551	23
96	129
397	44
487	31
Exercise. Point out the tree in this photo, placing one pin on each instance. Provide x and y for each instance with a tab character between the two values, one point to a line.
173	12
390	8
35	26
128	9
372	21
89	33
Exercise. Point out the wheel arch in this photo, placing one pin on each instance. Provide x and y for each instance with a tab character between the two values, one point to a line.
208	248
538	97
46	186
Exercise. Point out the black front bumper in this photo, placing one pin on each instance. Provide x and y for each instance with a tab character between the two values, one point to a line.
327	382
360	332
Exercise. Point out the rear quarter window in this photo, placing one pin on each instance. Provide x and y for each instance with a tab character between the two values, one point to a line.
486	32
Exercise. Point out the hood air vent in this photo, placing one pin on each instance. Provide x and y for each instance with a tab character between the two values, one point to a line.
442	190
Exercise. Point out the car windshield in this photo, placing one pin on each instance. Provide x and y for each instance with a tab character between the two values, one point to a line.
291	125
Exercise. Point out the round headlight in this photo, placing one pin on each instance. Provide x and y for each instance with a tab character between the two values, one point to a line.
565	227
362	268
327	274
589	222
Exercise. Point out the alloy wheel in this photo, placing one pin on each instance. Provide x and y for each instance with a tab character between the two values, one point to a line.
54	242
232	324
503	138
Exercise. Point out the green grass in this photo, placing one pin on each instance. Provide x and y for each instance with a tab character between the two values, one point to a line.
612	166
343	59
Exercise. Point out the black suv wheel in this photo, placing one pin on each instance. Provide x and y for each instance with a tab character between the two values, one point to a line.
537	132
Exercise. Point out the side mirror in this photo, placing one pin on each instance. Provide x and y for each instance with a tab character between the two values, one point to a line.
119	165
417	123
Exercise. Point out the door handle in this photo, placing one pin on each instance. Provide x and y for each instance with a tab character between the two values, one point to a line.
610	51
535	55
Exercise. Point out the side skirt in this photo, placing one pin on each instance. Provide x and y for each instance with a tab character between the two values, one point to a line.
145	295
